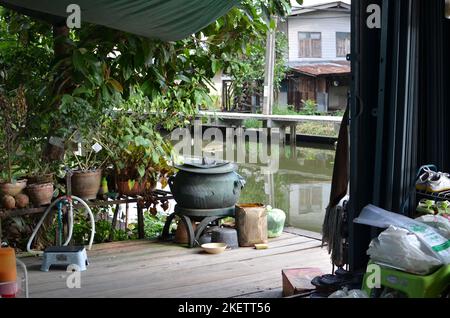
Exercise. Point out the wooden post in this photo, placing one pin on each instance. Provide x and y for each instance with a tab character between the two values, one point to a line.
114	221
283	135
293	141
140	215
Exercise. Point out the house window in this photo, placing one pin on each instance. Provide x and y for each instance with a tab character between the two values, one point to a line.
342	44
310	44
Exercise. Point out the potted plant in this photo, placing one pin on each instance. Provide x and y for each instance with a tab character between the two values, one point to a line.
40	173
87	159
136	150
13	111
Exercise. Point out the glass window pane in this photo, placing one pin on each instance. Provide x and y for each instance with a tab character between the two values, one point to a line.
315	36
303	35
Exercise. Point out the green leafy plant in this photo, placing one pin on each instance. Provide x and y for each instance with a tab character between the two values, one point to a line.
13	110
122	235
81	230
287	110
153	225
309	107
135	146
102	231
252	123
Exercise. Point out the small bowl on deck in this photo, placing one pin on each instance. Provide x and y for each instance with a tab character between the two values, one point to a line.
214	248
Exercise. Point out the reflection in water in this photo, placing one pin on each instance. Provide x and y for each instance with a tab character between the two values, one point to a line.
301	187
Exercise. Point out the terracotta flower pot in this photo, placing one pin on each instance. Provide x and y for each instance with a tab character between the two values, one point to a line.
181	234
137	189
86	184
41	179
40	194
13	189
126	186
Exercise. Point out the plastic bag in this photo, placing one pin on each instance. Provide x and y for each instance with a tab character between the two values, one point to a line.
402	250
439	223
275	222
339	294
436	244
355	293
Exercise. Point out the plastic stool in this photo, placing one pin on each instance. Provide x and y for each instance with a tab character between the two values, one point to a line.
414	286
65	255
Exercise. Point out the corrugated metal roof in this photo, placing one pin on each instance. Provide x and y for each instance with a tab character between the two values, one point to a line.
328	68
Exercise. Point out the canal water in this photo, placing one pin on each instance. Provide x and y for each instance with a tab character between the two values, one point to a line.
301	186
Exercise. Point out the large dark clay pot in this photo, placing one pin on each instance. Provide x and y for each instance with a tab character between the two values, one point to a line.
196	187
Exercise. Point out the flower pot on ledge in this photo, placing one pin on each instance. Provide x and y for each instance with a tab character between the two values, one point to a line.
40	194
86	184
41	179
12	189
129	189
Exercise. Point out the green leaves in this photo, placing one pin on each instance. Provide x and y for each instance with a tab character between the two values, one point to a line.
78	61
184	78
141	171
215	66
116	85
141	141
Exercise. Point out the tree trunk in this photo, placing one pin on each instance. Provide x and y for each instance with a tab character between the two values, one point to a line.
61	50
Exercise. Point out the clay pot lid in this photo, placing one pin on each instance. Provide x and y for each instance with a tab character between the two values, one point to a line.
207	166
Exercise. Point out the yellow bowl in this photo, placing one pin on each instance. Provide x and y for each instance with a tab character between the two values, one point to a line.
214	248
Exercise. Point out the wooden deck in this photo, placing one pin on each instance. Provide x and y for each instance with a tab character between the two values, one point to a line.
150	269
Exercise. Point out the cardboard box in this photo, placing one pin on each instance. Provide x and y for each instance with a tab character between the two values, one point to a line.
298	281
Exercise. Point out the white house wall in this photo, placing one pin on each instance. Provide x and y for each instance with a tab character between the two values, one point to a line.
328	23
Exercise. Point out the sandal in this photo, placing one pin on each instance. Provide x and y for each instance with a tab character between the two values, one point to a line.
443	207
426	207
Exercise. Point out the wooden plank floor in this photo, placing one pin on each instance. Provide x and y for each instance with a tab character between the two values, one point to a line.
151	269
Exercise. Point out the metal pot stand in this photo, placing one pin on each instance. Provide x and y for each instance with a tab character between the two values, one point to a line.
205	217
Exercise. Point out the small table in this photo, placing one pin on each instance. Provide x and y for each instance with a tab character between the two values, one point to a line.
204	216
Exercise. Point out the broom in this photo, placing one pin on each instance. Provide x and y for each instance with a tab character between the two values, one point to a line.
334	216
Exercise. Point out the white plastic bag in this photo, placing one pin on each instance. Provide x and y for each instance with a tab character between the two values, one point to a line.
356	293
402	250
439	223
339	294
431	239
344	293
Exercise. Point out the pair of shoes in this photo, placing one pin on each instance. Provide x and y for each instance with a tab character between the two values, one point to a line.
433	182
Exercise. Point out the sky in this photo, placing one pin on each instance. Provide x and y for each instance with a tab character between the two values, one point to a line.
314	2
